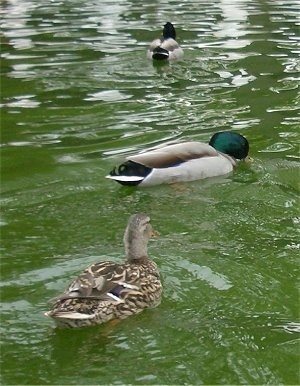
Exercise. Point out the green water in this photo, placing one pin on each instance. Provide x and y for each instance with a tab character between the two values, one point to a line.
77	96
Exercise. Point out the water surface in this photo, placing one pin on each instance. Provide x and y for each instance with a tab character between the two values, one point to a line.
78	95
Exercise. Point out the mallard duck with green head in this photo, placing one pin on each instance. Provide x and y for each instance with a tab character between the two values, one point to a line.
181	162
166	47
108	290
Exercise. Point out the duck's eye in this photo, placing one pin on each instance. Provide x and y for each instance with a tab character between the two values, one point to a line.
146	222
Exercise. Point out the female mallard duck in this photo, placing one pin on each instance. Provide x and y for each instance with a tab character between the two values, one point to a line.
186	161
165	48
108	290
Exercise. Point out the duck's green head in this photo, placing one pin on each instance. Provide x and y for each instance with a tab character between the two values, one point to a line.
230	143
169	31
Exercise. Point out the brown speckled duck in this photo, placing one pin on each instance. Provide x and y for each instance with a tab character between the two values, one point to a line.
107	290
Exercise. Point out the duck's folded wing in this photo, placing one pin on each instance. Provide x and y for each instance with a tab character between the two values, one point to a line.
174	154
98	281
169	44
154	44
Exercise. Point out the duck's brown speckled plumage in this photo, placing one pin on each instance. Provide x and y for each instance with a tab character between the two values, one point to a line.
108	290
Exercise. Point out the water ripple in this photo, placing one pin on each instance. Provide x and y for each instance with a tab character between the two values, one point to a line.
78	95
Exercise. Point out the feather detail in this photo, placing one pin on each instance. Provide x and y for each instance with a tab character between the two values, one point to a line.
125	178
173	155
71	315
114	297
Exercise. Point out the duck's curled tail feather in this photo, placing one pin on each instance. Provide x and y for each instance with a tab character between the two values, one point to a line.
129	173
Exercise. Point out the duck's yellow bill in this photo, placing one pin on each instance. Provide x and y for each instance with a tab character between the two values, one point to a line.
155	233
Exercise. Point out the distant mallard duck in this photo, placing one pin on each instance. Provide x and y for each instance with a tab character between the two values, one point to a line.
108	290
165	48
186	161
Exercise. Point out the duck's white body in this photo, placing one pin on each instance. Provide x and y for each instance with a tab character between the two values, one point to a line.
166	48
187	161
193	170
172	48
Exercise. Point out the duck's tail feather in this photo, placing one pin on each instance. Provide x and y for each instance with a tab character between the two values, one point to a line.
129	173
69	315
129	179
160	53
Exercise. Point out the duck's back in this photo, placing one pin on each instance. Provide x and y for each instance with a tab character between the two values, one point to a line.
167	156
106	291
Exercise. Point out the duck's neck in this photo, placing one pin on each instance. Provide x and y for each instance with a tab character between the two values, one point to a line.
169	31
135	250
